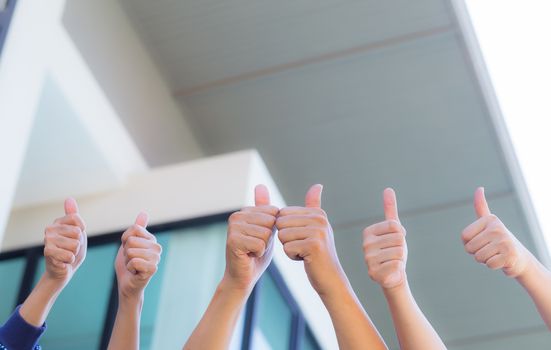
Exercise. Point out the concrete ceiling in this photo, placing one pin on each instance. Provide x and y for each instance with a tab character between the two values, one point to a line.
358	95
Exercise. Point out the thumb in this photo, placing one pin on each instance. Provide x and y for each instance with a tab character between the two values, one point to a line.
390	205
142	219
313	196
261	195
480	204
71	206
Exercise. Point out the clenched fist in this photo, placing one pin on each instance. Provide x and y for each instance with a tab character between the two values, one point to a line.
492	243
137	258
249	246
385	249
65	244
306	234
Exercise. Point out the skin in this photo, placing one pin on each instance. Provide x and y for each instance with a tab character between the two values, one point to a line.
136	262
385	253
65	245
249	251
306	235
492	244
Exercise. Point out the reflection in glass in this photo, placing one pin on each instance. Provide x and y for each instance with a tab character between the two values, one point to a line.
274	317
151	299
11	272
308	341
76	321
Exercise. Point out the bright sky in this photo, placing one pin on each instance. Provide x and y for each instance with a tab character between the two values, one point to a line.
515	36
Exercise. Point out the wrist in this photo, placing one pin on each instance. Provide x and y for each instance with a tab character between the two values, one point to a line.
229	285
337	287
398	291
532	269
131	302
52	285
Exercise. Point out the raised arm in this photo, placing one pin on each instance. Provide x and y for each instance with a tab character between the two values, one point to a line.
492	244
64	251
135	264
307	235
249	250
385	252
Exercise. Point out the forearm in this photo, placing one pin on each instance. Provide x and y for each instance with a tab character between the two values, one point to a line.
38	304
352	325
215	329
126	331
537	282
413	329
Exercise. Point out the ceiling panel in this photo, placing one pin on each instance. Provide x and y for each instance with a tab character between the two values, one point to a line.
201	41
463	299
532	340
407	117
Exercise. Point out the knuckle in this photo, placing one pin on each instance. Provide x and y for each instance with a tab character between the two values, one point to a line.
131	241
393	226
321	219
464	236
236	216
367	232
400	252
316	245
233	240
478	257
372	273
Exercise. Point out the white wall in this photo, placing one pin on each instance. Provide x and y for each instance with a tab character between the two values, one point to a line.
126	72
21	77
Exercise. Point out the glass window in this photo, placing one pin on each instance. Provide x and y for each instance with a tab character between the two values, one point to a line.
152	296
274	317
77	319
308	341
193	265
11	272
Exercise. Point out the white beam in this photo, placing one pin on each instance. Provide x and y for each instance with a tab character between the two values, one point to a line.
21	79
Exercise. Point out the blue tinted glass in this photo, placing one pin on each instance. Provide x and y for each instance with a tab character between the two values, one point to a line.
152	296
308	341
11	272
76	320
274	318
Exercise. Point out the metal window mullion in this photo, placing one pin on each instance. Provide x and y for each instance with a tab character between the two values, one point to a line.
251	312
27	281
110	315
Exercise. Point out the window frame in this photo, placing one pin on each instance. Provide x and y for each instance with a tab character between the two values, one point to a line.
6	15
298	325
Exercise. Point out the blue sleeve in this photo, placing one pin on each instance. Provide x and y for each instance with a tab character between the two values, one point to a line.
17	334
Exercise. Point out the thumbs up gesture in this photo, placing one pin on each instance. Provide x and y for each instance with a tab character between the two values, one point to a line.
249	245
385	249
65	244
306	235
137	259
492	243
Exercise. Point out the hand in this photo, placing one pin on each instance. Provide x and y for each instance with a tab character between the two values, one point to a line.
492	243
306	234
137	259
385	249
249	246
65	244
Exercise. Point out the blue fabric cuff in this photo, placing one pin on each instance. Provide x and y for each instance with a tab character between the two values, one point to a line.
17	334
